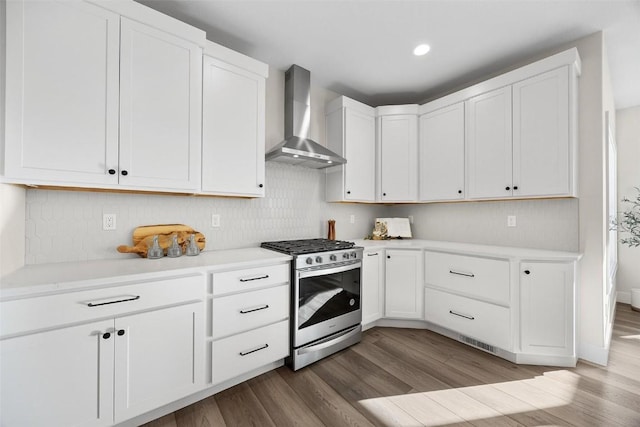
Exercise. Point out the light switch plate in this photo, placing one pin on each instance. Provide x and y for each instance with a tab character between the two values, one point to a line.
511	221
215	220
108	222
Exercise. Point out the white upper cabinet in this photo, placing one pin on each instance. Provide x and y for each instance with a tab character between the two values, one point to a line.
98	100
351	133
489	145
398	148
233	126
541	135
61	92
441	152
159	109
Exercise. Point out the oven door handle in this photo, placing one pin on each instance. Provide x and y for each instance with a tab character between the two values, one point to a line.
325	271
332	341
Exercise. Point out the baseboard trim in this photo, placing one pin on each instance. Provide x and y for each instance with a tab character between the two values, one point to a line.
623	296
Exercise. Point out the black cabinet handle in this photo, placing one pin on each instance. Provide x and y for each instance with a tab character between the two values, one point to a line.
515	187
462	274
348	192
121	332
97	304
459	191
384	194
461	315
251	310
125	173
507	188
527	272
375	254
260	185
266	276
388	256
244	353
112	171
106	335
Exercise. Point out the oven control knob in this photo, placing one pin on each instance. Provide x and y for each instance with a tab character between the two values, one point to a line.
333	257
353	255
319	259
345	256
309	261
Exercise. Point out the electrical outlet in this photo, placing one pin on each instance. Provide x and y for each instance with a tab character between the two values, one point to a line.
215	220
108	221
410	219
352	219
511	221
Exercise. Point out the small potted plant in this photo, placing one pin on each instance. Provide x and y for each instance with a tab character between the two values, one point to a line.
629	224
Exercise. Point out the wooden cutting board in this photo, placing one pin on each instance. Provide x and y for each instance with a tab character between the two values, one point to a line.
143	238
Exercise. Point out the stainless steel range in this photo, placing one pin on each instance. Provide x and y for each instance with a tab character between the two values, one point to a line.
325	290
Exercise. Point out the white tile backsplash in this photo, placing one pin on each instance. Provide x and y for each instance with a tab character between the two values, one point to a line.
67	225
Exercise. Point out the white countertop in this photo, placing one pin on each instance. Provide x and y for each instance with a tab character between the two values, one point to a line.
471	249
37	279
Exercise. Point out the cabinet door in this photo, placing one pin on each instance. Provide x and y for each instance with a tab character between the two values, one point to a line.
61	92
541	135
62	377
489	145
160	109
233	130
442	154
372	286
158	358
403	284
547	308
398	158
360	152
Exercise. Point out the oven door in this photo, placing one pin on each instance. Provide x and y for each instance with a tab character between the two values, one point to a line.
326	301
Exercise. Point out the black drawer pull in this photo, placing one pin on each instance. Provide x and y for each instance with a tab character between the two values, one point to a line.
461	315
462	274
254	309
266	276
97	304
376	254
244	353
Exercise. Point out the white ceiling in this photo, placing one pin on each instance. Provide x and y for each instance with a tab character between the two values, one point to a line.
363	48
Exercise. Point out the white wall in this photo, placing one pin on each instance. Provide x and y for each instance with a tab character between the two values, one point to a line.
541	224
628	141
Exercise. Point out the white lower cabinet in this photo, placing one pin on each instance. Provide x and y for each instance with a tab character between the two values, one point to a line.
547	312
372	286
250	320
241	353
403	284
484	322
107	371
55	378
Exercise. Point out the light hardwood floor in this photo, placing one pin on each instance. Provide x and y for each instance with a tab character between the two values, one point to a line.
406	377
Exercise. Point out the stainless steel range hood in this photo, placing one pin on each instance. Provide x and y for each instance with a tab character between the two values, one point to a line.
297	148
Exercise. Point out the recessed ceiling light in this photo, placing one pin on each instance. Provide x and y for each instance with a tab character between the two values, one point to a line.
421	49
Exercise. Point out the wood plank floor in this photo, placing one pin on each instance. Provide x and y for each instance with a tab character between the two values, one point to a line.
406	377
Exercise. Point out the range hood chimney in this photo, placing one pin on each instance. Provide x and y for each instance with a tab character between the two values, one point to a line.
297	148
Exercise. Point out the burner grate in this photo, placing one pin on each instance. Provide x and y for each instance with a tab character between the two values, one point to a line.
307	246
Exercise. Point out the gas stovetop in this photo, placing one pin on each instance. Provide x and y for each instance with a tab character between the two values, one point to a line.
307	246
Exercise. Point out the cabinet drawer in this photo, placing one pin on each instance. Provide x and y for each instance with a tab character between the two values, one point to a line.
484	278
250	278
244	352
480	320
31	314
242	312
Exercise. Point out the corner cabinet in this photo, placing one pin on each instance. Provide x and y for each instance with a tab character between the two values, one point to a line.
95	99
547	311
351	133
233	124
398	153
441	153
372	286
403	284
